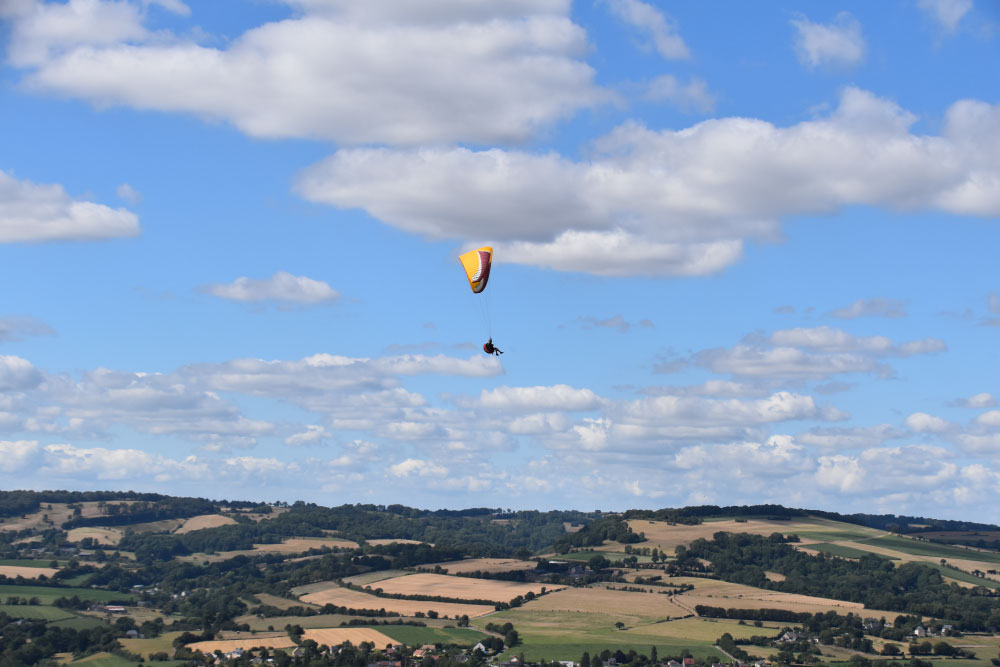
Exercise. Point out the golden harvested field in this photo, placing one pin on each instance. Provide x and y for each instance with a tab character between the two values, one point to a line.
337	636
105	536
716	593
204	521
638	606
663	536
296	544
344	597
26	572
484	565
227	645
379	541
289	546
464	588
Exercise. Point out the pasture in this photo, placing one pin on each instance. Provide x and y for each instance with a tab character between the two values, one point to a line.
48	595
109	660
203	521
484	565
555	635
24	562
344	597
932	559
77	623
391	540
147	647
909	545
413	635
41	612
844	551
466	588
610	551
372	577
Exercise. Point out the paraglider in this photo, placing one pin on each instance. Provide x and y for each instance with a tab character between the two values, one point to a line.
477	265
489	348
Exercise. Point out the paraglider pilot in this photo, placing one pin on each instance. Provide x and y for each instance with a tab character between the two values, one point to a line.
489	348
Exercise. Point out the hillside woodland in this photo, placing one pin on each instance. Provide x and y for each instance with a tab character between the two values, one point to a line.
119	577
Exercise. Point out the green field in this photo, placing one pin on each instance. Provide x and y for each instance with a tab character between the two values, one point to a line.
416	636
372	577
910	546
47	594
566	635
78	623
80	580
146	647
845	552
862	534
108	660
584	556
36	611
29	563
962	576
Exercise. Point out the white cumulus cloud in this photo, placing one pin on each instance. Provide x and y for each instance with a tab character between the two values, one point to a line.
33	213
480	72
281	287
665	202
839	42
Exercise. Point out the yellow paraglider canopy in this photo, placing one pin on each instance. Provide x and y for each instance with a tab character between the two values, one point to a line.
477	267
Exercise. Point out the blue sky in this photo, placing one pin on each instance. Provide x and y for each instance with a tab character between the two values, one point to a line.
745	252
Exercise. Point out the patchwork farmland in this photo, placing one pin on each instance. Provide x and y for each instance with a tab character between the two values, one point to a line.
635	602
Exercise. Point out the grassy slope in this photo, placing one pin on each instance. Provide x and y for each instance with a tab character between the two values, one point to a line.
566	635
918	548
48	595
42	612
845	551
415	635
